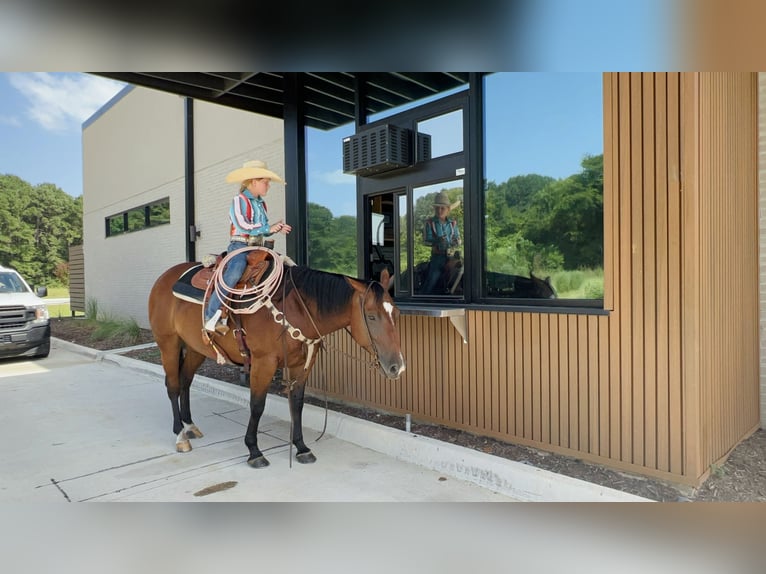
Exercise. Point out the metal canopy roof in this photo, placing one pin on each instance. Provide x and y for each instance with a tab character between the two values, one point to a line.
328	96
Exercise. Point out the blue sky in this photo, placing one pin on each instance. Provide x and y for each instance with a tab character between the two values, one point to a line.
41	116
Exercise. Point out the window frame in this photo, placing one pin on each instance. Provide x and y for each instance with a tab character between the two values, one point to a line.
471	158
146	211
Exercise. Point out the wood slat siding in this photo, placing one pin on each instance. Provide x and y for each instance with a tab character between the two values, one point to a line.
76	278
728	261
665	384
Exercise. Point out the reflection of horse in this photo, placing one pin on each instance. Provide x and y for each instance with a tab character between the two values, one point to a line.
307	305
450	280
502	285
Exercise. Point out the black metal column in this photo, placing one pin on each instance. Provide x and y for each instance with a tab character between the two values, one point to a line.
363	224
191	229
296	208
474	199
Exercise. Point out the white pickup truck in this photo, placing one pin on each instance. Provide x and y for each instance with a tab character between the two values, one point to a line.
25	330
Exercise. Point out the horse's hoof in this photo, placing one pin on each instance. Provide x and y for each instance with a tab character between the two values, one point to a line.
259	462
193	432
305	457
183	446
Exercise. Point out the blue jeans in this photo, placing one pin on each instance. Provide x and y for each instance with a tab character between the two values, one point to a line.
435	272
231	274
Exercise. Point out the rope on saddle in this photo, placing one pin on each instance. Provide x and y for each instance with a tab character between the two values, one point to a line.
248	299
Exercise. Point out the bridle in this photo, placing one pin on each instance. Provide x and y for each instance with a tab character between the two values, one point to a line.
371	348
374	352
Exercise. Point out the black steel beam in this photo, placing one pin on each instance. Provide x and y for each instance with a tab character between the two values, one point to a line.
296	209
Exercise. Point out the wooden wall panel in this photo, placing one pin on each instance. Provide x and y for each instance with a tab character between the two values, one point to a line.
728	261
76	278
667	381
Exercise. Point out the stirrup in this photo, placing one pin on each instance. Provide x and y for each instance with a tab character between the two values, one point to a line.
216	324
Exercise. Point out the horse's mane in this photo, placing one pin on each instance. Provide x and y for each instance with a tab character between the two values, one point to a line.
330	291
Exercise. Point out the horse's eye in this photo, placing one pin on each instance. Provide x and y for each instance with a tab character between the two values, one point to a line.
371	317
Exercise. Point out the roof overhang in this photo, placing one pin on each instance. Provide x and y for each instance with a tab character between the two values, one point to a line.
328	97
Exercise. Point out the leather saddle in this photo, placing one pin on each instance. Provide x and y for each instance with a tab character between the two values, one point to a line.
191	285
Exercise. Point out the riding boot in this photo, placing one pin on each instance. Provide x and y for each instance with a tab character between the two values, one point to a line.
216	324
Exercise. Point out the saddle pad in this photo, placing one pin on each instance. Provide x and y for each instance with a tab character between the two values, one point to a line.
183	288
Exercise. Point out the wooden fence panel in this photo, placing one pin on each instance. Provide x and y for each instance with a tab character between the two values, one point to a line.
76	279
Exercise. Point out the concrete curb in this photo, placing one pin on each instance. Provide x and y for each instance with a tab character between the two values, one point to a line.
517	480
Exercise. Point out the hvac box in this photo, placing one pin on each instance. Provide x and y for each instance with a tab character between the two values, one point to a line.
381	149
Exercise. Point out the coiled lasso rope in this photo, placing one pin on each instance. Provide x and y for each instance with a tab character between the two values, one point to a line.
250	298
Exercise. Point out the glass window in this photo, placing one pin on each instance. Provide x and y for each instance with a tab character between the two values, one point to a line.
331	197
159	213
402	245
543	200
149	215
441	135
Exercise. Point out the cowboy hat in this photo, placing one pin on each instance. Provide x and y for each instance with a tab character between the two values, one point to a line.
252	170
442	199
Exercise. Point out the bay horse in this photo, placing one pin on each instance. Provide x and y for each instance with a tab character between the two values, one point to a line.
306	306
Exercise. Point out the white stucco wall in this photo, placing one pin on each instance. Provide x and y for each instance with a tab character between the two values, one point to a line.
133	154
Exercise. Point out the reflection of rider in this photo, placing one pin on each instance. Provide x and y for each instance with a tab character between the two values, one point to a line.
441	233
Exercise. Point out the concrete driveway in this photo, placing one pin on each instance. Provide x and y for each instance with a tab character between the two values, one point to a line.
83	425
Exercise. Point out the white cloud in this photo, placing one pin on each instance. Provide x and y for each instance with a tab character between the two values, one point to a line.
336	177
60	101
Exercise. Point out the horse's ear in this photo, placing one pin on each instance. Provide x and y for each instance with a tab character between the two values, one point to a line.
548	280
386	279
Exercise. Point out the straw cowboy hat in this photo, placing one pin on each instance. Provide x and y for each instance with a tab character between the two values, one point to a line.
252	170
442	199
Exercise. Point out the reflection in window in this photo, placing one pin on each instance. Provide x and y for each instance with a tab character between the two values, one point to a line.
544	191
444	132
437	245
331	197
402	247
149	215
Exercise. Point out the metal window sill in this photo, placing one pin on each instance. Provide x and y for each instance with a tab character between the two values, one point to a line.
456	315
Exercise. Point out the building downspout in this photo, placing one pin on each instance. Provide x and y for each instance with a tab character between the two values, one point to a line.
192	233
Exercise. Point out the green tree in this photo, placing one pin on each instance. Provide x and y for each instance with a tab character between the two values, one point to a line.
568	215
331	241
37	226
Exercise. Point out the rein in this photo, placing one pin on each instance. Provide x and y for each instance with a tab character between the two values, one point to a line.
297	334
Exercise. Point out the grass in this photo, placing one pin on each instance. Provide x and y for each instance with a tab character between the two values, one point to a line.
579	284
109	327
58	311
101	326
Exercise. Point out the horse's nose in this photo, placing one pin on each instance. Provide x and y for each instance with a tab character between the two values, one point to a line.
396	369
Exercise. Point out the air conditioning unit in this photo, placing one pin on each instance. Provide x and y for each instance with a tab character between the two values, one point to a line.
378	150
423	147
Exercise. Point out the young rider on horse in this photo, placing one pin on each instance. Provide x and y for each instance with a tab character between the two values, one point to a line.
249	226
